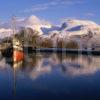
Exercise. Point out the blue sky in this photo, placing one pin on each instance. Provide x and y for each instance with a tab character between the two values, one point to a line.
51	10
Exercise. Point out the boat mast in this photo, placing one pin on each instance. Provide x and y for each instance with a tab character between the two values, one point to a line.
14	25
13	67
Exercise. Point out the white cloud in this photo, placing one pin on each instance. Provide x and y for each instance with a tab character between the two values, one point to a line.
90	14
53	3
40	7
34	9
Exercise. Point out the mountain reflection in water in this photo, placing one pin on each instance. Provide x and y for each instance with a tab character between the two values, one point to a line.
44	74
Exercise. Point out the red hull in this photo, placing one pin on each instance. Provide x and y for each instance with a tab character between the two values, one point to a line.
18	56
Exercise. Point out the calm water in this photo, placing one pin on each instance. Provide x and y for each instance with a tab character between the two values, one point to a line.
50	77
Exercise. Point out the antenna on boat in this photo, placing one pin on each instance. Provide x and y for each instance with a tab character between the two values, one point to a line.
14	24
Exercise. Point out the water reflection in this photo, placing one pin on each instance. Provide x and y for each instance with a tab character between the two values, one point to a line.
42	75
37	64
67	64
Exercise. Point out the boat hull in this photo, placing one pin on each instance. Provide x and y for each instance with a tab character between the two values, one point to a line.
18	55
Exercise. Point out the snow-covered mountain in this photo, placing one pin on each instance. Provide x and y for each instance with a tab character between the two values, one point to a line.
70	29
5	32
80	27
36	24
77	27
33	22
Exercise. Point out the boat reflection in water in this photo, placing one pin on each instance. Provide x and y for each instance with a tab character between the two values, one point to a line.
53	76
37	64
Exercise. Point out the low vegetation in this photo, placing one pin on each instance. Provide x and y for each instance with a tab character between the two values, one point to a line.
72	45
30	37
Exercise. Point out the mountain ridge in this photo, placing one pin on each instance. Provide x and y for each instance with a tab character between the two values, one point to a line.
80	31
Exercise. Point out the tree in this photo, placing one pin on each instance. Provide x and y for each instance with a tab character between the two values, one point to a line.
61	44
47	43
27	35
72	45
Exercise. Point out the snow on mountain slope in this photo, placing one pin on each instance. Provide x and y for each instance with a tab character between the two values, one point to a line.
95	40
80	31
32	22
50	29
2	30
70	27
80	27
5	32
36	24
73	22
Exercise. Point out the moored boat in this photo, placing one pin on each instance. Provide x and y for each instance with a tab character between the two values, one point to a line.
18	53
